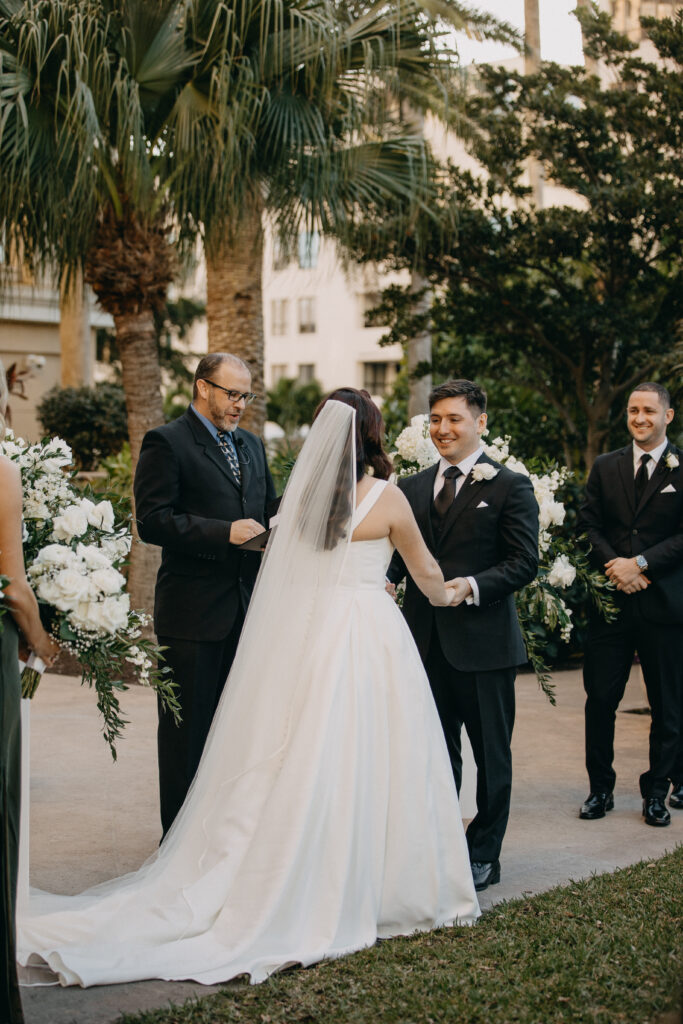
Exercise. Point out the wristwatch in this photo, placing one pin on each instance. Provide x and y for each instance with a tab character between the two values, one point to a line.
641	562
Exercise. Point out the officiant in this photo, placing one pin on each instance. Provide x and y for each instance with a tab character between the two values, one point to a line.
202	489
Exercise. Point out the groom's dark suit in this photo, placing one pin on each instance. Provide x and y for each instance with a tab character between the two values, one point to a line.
649	621
471	651
186	498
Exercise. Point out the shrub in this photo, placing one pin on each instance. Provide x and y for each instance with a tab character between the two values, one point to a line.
91	420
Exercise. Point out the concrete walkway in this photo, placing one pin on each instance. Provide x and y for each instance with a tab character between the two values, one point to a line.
92	819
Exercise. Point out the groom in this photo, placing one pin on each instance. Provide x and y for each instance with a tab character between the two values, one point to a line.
202	488
480	520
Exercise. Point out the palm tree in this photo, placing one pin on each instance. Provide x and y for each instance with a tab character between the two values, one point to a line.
336	139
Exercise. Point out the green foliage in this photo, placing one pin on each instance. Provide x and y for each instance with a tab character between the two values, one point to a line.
562	310
118	486
599	951
292	404
91	420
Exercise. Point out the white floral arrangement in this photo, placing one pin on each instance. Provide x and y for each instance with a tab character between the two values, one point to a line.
671	460
74	549
544	613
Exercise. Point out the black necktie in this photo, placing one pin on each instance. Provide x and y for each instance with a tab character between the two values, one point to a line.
642	477
444	499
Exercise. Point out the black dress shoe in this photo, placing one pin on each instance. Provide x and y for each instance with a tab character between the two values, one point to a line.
676	798
654	811
596	806
485	873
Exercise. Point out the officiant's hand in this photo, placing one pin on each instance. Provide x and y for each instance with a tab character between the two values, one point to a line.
243	530
460	589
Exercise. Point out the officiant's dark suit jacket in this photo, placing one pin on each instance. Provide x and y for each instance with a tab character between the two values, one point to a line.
471	652
186	499
649	622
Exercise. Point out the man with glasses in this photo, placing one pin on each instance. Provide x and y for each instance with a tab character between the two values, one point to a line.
202	488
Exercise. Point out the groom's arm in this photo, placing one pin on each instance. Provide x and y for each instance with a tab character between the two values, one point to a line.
517	536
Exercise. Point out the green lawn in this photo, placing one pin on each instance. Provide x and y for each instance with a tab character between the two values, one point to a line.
601	951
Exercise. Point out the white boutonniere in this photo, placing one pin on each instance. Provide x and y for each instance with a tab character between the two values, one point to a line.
671	460
483	471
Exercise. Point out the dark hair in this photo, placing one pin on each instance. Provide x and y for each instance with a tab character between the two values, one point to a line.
369	431
207	366
467	389
658	389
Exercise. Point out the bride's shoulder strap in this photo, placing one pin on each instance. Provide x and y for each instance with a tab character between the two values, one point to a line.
368	502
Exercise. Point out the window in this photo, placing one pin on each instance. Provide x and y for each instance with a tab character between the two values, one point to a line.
280	257
278	313
306	373
369	300
277	372
307	316
309	246
375	378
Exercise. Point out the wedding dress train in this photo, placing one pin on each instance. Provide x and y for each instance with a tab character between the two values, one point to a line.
318	821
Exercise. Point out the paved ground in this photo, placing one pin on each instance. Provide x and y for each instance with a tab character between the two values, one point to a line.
92	819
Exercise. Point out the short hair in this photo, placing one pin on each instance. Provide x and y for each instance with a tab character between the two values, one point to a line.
4	399
474	395
659	389
208	365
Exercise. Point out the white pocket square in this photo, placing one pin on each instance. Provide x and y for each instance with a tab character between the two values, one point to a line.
483	504
669	489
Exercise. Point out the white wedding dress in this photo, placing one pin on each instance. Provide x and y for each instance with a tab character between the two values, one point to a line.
315	825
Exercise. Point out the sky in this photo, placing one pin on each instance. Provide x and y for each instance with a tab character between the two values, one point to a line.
560	35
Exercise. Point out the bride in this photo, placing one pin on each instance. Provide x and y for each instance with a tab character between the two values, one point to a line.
324	813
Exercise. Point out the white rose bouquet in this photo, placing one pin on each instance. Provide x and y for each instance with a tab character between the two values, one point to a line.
564	575
74	549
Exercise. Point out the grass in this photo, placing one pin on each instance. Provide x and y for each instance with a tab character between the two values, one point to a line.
600	951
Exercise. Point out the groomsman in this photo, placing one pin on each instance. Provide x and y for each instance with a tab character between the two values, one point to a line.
480	520
202	488
633	517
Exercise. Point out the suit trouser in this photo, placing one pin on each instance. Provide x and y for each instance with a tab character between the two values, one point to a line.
484	702
608	658
199	670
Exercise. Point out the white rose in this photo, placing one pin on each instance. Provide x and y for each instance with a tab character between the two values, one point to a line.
72	586
110	614
93	557
562	572
106	581
55	556
551	513
48	590
484	471
102	516
73	522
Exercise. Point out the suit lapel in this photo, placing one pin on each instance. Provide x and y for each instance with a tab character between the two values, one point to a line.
655	481
211	450
422	509
466	496
627	477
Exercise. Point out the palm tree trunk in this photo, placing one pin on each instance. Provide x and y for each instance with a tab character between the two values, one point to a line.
532	64
419	350
234	305
137	344
75	342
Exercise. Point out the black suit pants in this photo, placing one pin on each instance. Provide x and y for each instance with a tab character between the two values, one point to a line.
484	702
200	671
608	659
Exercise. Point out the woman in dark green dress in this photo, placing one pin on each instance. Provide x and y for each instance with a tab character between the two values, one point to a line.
21	614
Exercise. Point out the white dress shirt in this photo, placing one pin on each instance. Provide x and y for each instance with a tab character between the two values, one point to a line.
464	466
655	456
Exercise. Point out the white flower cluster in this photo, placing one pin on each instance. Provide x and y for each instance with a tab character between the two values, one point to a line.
46	489
483	471
414	444
83	584
76	518
562	572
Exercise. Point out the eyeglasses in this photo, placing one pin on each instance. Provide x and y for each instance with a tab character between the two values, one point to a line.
234	396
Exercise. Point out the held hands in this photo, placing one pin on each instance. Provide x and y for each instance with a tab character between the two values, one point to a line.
243	530
390	589
626	575
458	590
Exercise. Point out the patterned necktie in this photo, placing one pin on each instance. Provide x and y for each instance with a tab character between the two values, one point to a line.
227	446
444	499
642	477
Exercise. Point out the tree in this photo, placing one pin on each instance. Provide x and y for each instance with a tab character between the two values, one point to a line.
575	304
334	141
